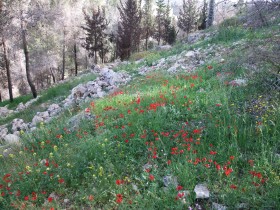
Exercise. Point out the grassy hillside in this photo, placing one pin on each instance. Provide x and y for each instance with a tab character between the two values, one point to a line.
195	128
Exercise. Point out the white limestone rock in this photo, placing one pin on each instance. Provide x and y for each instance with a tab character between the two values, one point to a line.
201	191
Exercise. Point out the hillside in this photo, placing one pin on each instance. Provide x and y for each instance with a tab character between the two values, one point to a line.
193	126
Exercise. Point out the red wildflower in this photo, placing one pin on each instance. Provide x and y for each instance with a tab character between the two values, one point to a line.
210	67
119	182
218	167
231	157
50	199
87	110
228	171
151	177
213	152
180	195
119	198
61	181
90	197
179	187
26	198
233	186
138	100
92	104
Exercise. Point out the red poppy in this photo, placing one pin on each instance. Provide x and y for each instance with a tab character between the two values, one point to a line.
90	197
210	67
179	187
61	181
151	177
228	171
26	198
50	199
233	186
119	198
119	182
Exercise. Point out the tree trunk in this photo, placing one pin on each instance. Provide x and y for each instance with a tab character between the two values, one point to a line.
210	18
27	67
7	64
75	59
52	74
63	56
0	97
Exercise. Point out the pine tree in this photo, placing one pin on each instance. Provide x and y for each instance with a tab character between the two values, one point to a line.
203	16
96	24
129	28
147	22
187	19
169	35
160	19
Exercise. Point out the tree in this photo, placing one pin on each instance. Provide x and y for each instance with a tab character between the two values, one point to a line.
203	16
95	27
210	18
4	20
129	28
169	35
147	22
160	19
187	19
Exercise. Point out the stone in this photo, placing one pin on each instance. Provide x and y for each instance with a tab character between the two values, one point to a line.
238	82
12	139
201	191
164	47
36	119
78	91
18	125
3	132
216	206
20	107
190	54
170	181
4	112
54	110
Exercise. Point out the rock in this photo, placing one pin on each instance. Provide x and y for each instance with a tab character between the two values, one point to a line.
75	121
12	139
201	191
96	69
170	181
66	201
36	119
238	82
216	206
190	54
163	47
78	91
20	107
18	125
4	112
3	132
147	166
54	110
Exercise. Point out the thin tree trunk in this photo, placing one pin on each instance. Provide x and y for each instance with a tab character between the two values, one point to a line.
0	97
27	67
210	18
63	56
52	74
7	64
75	59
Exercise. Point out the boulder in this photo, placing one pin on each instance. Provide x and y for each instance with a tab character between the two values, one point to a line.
4	112
54	110
20	107
12	139
201	191
18	125
3	132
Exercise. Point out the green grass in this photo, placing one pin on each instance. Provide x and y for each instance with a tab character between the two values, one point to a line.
162	120
52	95
197	128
